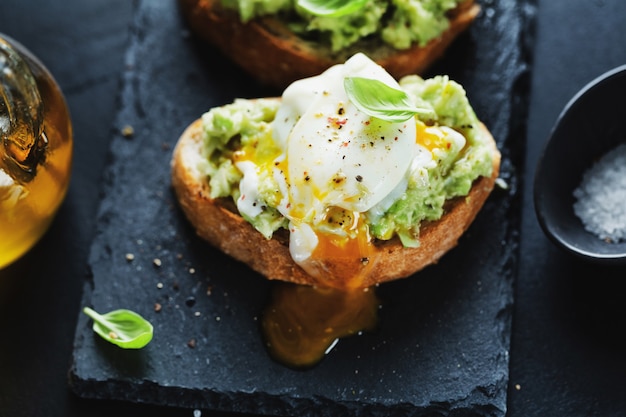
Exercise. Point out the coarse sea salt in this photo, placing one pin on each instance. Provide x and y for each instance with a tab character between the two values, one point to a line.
601	196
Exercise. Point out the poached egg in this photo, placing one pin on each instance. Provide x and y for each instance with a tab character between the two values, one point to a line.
335	166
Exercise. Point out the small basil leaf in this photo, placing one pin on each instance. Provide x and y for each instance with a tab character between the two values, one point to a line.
377	99
331	8
123	328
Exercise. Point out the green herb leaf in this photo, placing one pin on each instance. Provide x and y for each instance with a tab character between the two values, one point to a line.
123	328
331	8
377	99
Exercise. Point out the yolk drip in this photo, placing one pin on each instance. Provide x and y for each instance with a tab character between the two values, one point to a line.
303	323
350	258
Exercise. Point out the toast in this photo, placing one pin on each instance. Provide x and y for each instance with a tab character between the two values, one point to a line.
274	55
218	222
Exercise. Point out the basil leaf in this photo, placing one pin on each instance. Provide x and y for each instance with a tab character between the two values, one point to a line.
123	328
377	99
331	8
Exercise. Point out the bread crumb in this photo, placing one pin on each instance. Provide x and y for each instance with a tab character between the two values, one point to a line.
128	131
130	257
156	262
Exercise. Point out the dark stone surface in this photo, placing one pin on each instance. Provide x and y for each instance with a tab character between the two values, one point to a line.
442	345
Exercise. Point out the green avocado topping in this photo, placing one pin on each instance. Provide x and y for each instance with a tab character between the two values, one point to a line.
342	23
243	129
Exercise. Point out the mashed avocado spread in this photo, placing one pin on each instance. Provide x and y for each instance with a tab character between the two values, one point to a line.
244	127
398	23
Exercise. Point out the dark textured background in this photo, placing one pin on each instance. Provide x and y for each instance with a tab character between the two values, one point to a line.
566	355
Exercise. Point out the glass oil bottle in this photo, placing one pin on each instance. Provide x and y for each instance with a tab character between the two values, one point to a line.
36	144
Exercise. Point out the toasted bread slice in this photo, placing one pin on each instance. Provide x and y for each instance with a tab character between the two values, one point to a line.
218	222
275	56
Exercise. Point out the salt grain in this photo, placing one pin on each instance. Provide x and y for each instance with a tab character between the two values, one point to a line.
601	196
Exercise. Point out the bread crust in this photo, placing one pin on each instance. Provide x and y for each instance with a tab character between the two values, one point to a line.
275	56
217	222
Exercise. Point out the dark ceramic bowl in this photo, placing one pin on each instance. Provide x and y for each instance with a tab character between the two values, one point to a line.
590	125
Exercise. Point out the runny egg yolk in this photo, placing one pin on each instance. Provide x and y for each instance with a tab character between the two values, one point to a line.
351	256
262	151
431	137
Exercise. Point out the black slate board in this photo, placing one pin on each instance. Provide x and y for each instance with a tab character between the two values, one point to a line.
441	347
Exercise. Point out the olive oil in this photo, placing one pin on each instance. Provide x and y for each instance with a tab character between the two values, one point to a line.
35	150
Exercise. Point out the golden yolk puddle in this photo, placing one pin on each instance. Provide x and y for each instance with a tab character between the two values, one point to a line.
303	323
